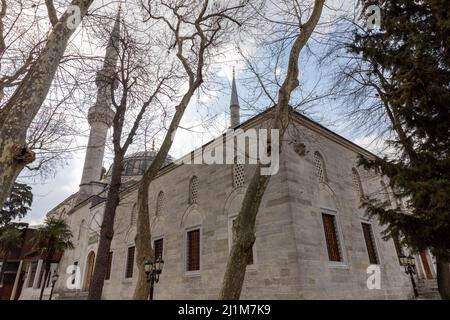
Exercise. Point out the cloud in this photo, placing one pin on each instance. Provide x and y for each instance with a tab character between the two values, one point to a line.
197	135
48	195
375	144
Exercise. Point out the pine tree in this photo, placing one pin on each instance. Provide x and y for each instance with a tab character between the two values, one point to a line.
408	63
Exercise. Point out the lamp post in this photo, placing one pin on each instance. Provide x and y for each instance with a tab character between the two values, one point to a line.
153	269
410	268
54	279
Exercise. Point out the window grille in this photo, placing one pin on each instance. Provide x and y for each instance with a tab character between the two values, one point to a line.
238	175
331	237
370	243
193	190
319	165
130	263
357	183
193	250
160	204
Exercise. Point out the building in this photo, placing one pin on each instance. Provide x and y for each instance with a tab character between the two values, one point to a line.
313	241
24	273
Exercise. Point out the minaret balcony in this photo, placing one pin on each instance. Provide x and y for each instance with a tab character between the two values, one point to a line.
99	114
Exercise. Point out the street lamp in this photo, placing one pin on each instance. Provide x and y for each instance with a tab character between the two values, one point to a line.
410	269
54	279
153	269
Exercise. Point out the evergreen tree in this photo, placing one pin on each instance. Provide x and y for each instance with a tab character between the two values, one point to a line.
408	66
17	204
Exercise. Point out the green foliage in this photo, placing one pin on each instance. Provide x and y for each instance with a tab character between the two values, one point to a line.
17	204
54	232
10	239
412	48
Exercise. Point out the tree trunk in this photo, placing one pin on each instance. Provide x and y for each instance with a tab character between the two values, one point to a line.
47	266
4	261
20	110
245	226
144	249
107	230
443	277
245	238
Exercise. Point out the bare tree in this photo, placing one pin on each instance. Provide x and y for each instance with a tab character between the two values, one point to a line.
299	32
363	88
31	78
52	137
194	30
143	79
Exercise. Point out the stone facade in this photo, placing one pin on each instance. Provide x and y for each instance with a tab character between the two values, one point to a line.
290	253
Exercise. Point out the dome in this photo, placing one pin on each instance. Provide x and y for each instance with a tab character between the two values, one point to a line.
135	164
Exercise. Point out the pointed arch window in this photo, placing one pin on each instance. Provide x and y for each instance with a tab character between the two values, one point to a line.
62	215
319	165
160	203
193	190
357	185
82	228
238	174
133	218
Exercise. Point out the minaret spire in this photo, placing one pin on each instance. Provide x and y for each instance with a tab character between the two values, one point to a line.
100	117
234	104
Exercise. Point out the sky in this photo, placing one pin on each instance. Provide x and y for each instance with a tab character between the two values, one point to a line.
49	193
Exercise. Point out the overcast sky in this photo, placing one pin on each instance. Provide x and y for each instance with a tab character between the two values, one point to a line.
51	192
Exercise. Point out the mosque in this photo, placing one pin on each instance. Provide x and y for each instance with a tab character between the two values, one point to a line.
313	241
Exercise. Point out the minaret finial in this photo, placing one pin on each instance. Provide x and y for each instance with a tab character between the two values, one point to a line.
234	103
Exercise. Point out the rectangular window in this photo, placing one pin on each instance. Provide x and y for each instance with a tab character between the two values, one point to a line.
158	246
331	237
370	243
193	250
130	263
109	265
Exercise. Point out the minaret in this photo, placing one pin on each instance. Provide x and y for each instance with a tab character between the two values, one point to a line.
234	105
100	117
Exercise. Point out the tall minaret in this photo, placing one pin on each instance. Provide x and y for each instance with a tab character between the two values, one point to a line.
234	104
100	117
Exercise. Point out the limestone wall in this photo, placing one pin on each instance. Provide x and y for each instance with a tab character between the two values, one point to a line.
291	260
